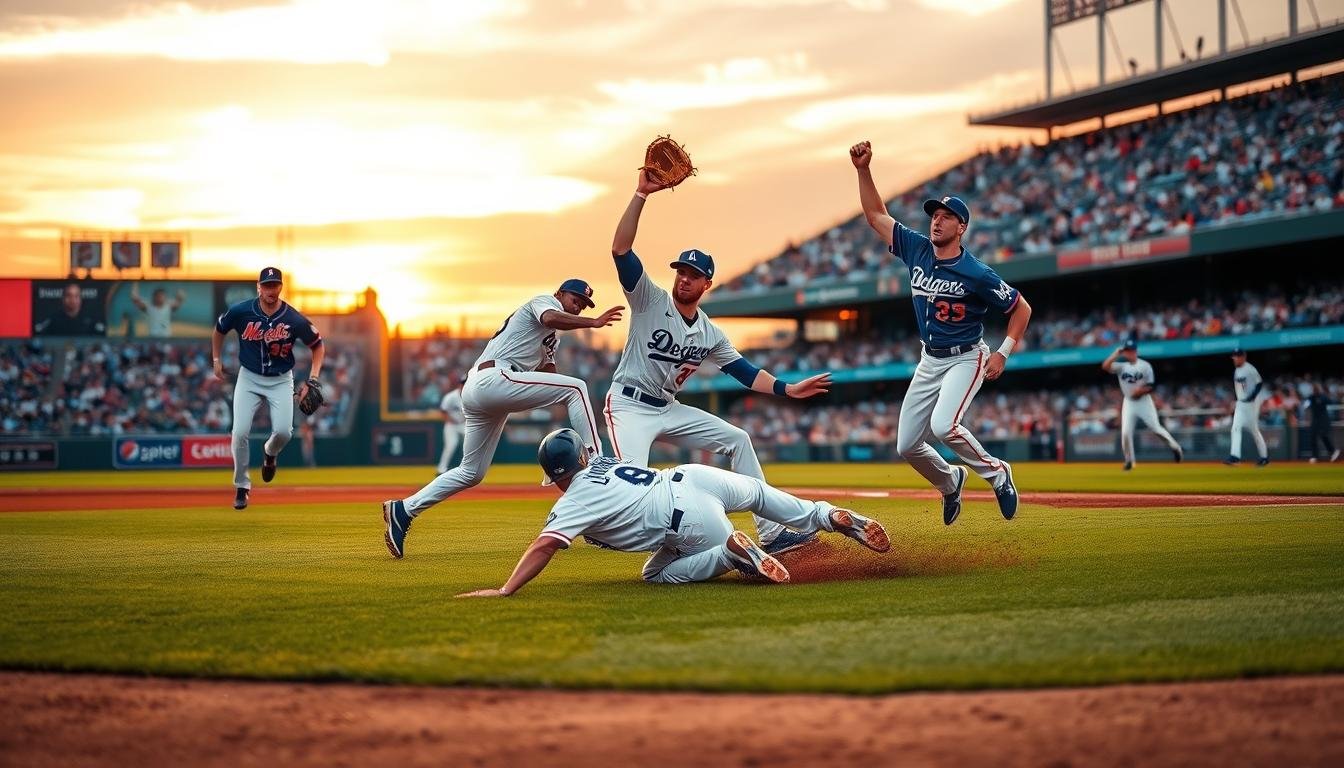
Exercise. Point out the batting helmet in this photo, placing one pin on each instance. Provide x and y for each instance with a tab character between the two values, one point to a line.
561	455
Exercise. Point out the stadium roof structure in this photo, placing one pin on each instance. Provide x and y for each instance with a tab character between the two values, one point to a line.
1307	48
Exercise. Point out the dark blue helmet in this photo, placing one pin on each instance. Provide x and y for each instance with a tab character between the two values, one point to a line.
561	455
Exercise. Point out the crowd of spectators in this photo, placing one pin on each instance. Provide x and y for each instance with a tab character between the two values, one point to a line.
1270	153
108	388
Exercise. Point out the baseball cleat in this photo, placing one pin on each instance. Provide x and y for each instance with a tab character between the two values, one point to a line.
1335	456
1007	494
1177	454
240	499
1262	462
869	533
1230	460
267	467
952	501
787	541
754	561
398	523
1128	466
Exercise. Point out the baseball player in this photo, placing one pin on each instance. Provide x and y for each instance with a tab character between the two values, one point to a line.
159	310
515	372
952	291
267	329
1247	384
1136	384
1318	403
668	341
451	406
678	514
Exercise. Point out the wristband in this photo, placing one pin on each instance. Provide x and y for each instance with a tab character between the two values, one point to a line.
641	195
781	388
1006	348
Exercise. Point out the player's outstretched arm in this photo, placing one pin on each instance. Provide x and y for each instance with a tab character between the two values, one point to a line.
1017	328
533	562
135	298
557	320
1106	364
626	228
870	199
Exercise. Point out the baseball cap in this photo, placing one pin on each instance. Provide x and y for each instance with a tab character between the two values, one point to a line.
579	288
1237	350
1131	344
698	260
953	204
270	275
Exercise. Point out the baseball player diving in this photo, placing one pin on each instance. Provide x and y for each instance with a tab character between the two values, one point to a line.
1136	384
515	372
678	514
670	337
1249	389
951	291
267	329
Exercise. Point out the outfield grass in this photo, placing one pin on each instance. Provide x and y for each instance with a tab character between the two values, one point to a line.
1057	597
1282	478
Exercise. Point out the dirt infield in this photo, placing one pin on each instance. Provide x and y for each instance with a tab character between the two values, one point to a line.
48	499
103	720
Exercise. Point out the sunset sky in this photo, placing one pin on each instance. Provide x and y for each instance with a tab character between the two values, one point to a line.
462	156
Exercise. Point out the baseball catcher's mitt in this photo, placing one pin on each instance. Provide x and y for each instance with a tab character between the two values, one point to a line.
312	398
667	162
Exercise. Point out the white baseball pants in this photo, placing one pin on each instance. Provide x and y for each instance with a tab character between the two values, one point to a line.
634	425
705	495
1144	410
452	435
1246	416
251	391
488	398
940	393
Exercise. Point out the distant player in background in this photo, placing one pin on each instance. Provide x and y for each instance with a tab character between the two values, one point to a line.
515	372
267	329
1136	384
159	310
670	338
451	406
952	291
1247	385
1318	405
678	514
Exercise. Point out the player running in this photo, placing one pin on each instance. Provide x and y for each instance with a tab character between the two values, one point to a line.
678	514
1136	384
267	328
1247	386
669	339
952	291
515	372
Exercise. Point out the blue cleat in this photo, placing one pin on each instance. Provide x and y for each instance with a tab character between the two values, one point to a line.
787	541
752	561
952	501
1007	494
869	533
398	523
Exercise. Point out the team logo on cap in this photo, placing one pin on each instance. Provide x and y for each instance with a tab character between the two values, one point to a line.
945	199
587	290
690	256
270	273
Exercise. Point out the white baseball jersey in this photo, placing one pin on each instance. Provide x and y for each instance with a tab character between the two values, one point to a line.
1244	379
523	343
160	320
1133	375
615	505
662	351
451	404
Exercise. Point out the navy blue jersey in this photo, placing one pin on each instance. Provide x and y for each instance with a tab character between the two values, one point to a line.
266	344
951	297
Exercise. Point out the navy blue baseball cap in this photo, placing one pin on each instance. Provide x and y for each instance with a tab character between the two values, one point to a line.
698	260
270	275
1131	344
1237	351
579	288
953	204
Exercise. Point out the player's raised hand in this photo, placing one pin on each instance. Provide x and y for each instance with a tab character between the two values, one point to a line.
995	367
809	387
647	184
609	317
861	154
483	593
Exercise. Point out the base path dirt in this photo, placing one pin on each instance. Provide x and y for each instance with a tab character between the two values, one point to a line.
95	720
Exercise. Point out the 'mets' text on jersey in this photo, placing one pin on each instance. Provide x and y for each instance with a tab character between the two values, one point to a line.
950	296
266	343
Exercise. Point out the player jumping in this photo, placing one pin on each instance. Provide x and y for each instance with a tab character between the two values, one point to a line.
678	514
515	372
952	290
669	339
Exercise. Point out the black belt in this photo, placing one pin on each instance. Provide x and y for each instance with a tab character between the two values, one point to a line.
950	351
491	364
635	394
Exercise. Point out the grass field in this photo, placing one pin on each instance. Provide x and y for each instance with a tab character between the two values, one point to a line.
1059	596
